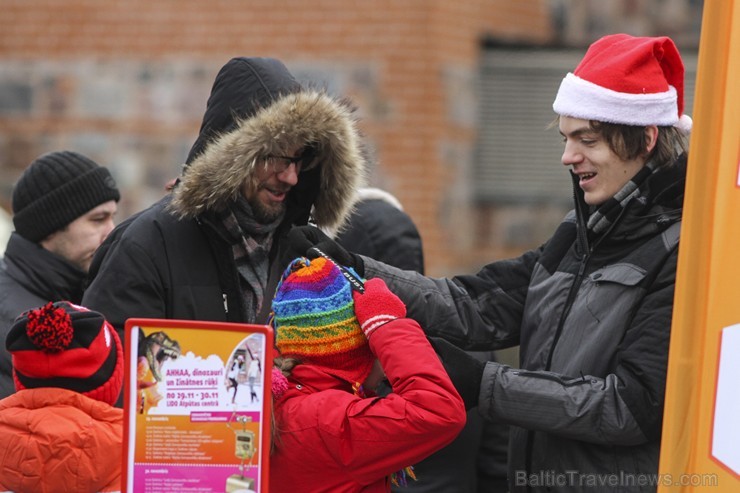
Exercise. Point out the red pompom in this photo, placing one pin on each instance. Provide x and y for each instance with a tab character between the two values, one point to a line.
50	328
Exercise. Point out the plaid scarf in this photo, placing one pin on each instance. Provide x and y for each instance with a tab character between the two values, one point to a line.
603	217
250	245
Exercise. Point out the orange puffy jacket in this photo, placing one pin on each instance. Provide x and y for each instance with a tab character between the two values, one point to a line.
57	440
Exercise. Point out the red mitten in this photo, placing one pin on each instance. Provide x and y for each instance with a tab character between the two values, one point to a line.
377	306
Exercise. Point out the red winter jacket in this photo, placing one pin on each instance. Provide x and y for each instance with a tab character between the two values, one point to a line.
330	440
57	440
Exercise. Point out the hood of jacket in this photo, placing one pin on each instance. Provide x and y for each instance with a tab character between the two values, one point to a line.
256	108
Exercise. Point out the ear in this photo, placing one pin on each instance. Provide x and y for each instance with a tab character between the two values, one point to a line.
651	138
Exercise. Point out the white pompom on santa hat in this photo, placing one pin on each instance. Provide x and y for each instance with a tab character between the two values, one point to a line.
627	80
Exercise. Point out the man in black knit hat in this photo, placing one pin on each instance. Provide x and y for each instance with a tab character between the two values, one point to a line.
63	208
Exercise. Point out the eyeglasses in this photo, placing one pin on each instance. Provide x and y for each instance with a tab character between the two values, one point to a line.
304	162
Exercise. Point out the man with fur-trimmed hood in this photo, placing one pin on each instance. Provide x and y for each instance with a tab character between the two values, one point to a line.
270	154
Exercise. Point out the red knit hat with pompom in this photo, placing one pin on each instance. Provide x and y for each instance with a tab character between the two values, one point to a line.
67	346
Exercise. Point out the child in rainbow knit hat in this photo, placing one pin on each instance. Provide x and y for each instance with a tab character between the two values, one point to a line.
332	432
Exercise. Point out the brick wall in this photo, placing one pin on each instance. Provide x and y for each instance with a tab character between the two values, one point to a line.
126	83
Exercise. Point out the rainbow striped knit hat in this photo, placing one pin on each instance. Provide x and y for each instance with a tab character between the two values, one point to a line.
314	320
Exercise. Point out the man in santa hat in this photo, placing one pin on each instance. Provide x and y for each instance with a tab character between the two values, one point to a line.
591	309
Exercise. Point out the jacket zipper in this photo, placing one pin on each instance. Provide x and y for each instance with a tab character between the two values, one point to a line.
588	250
206	222
582	239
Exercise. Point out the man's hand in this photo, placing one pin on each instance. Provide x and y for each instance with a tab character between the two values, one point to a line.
464	370
302	238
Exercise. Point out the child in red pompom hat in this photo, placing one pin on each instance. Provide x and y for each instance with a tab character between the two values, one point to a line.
68	372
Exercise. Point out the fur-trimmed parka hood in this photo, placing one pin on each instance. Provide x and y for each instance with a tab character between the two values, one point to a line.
256	109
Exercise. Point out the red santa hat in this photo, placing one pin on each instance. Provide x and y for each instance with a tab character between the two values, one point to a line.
627	80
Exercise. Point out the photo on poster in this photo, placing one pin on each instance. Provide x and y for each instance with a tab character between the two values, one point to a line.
197	405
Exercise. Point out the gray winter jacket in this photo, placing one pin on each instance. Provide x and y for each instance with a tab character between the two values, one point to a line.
592	315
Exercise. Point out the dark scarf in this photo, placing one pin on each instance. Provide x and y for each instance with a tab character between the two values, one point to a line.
250	245
603	217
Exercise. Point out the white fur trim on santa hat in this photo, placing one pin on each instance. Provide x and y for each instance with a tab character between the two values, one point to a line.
685	123
579	98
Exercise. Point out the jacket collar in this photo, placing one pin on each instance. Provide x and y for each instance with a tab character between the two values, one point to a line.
41	272
658	205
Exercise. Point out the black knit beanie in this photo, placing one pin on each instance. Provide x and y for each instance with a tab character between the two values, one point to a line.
56	189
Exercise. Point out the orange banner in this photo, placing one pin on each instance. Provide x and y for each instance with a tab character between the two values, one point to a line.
701	438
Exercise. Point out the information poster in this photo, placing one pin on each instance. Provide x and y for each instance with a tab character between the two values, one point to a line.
197	405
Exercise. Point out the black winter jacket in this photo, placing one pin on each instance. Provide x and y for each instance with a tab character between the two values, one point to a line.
30	276
379	228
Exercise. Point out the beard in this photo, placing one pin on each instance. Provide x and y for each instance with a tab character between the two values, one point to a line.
266	214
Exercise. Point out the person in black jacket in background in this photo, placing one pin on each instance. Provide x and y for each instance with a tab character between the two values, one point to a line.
381	229
476	460
63	209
